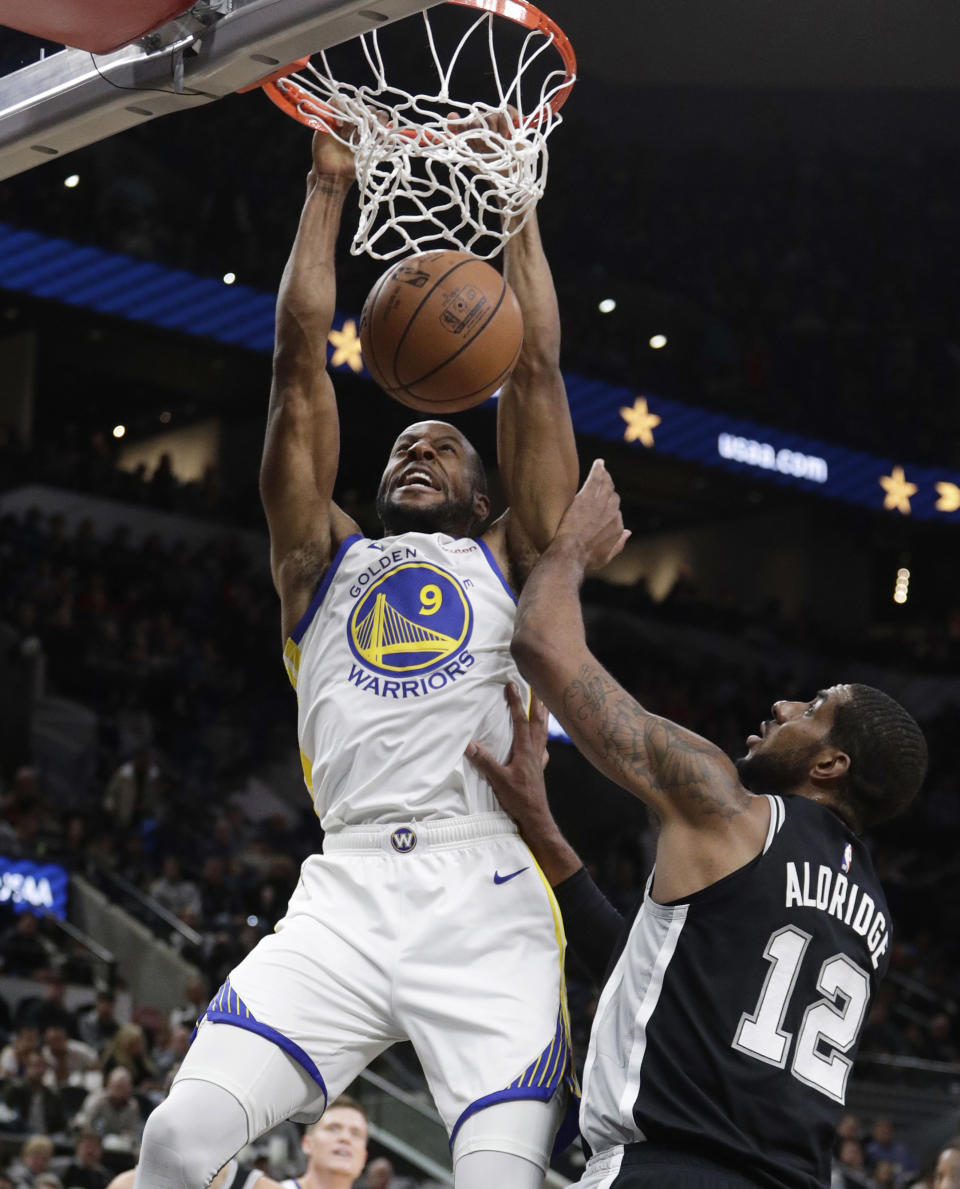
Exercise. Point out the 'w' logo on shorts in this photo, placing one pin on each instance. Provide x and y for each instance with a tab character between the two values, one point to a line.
403	839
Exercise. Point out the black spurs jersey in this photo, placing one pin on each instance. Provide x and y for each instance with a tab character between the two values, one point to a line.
728	1025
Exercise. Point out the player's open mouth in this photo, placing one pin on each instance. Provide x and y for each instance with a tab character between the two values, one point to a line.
417	478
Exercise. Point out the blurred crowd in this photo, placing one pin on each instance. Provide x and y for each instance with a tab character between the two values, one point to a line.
173	649
799	288
805	285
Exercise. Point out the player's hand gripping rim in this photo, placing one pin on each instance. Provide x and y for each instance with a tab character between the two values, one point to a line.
332	155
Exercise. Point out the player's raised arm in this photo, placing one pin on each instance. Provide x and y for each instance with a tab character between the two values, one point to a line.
302	445
680	775
535	445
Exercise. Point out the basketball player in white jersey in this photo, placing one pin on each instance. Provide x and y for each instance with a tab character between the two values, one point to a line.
426	918
335	1147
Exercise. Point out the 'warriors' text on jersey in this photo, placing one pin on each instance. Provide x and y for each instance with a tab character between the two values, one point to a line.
400	660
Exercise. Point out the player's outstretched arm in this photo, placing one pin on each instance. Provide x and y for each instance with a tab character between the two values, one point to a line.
302	445
676	772
536	452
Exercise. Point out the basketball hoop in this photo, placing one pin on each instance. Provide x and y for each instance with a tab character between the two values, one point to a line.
435	170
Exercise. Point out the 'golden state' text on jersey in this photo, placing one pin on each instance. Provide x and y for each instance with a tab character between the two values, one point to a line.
400	660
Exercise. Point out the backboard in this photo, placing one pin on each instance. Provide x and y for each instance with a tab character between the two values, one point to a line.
75	97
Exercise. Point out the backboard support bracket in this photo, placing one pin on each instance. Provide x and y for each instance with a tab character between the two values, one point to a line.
74	98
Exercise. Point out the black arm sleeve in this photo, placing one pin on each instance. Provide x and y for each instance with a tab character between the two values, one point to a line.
593	926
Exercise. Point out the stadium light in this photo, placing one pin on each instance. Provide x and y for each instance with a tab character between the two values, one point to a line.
72	181
901	590
229	278
119	431
607	306
658	341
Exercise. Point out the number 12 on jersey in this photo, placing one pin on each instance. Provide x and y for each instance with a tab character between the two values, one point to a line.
833	1022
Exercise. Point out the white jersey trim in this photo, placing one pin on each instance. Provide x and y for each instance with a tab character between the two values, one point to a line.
664	955
647	954
778	815
307	617
495	566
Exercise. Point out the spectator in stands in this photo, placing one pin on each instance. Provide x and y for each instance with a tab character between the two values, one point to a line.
172	890
68	1060
51	1010
84	1169
380	1174
97	1025
947	1172
196	996
192	950
218	893
335	1147
23	948
38	1105
940	1042
170	1052
850	1170
34	1160
132	791
880	1033
13	1059
127	1049
113	1111
849	1128
882	1147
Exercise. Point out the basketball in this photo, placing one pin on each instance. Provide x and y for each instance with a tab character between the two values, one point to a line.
441	331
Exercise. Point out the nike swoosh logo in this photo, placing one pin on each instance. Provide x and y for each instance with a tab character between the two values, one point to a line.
498	878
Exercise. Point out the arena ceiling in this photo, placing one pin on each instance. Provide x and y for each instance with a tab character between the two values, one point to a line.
759	43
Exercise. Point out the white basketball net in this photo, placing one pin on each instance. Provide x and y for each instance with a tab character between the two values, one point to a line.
429	181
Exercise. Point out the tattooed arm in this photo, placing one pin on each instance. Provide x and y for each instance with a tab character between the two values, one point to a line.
689	783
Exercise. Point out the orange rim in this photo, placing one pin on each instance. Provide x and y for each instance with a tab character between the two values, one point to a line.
531	17
296	102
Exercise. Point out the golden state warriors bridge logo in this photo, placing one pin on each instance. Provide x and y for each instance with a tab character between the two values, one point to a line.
412	620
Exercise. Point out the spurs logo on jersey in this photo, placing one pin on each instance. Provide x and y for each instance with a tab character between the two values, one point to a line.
412	619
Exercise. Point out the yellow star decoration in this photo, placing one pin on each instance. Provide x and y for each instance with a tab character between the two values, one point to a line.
640	422
949	500
346	347
899	490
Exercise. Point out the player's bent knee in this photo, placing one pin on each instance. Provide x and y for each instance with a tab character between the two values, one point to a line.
190	1136
523	1128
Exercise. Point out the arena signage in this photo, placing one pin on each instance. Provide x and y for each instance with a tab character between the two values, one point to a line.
109	283
769	458
655	423
40	888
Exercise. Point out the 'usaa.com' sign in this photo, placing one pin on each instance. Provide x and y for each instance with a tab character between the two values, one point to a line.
33	887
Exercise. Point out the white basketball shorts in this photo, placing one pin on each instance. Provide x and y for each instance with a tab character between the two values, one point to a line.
443	933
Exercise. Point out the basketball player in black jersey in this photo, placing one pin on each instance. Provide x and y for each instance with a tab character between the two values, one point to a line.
727	1028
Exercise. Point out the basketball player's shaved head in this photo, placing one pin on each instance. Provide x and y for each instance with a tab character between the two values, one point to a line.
434	482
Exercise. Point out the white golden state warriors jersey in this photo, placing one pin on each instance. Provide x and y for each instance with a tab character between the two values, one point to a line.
399	661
